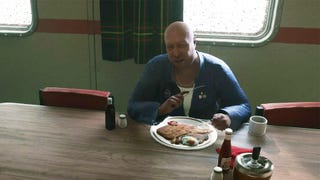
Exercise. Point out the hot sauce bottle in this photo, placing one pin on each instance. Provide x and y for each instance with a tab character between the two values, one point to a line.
225	154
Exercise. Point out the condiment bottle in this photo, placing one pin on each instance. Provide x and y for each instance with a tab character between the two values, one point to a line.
216	173
225	154
252	166
110	114
122	123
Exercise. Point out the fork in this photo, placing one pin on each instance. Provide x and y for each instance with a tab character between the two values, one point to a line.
196	88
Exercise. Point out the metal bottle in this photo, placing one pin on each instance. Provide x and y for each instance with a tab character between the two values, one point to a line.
252	166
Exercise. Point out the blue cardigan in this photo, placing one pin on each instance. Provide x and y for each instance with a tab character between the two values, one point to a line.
222	92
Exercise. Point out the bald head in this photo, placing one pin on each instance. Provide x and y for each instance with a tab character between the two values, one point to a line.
180	45
179	28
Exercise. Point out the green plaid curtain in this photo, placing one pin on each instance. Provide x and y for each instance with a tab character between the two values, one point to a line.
134	28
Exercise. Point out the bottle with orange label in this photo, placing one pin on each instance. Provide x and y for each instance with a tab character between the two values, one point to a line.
225	154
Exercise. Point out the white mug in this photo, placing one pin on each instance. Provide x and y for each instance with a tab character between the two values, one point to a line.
257	125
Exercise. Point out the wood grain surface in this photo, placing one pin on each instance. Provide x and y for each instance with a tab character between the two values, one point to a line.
39	142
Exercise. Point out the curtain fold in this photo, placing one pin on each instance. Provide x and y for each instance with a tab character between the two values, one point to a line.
134	28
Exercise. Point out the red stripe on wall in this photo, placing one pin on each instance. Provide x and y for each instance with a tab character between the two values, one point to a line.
68	26
289	35
298	35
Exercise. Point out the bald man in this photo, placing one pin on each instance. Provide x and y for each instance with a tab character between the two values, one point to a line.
186	82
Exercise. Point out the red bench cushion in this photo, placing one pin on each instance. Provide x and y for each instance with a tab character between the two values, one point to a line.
72	97
300	114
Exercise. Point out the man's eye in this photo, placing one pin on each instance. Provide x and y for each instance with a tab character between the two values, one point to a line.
170	48
182	45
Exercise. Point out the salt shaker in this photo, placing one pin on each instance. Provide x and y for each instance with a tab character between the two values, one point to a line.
122	121
216	174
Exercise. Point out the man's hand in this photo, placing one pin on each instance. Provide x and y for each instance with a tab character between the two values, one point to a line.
221	121
171	103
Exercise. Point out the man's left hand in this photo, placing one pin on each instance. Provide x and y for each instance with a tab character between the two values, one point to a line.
221	121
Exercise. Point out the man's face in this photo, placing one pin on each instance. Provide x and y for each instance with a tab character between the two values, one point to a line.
180	48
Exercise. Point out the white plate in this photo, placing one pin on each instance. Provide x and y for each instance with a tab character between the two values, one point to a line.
185	120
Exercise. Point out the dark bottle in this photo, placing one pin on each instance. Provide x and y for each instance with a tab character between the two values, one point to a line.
259	111
225	154
110	115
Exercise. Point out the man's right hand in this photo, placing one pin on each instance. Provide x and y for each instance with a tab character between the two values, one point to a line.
172	103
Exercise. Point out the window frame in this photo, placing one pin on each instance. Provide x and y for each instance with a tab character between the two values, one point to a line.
269	32
21	31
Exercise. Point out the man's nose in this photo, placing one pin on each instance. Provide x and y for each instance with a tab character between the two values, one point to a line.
175	51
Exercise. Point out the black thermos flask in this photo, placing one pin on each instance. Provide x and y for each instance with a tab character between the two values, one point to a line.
110	114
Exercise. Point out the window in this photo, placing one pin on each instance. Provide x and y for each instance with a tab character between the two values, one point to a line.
17	17
233	22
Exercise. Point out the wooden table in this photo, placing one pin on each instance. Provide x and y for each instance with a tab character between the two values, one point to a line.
39	142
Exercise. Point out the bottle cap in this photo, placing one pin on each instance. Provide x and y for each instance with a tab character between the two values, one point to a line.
228	131
217	169
110	100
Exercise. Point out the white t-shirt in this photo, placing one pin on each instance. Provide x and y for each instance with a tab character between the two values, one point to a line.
187	99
